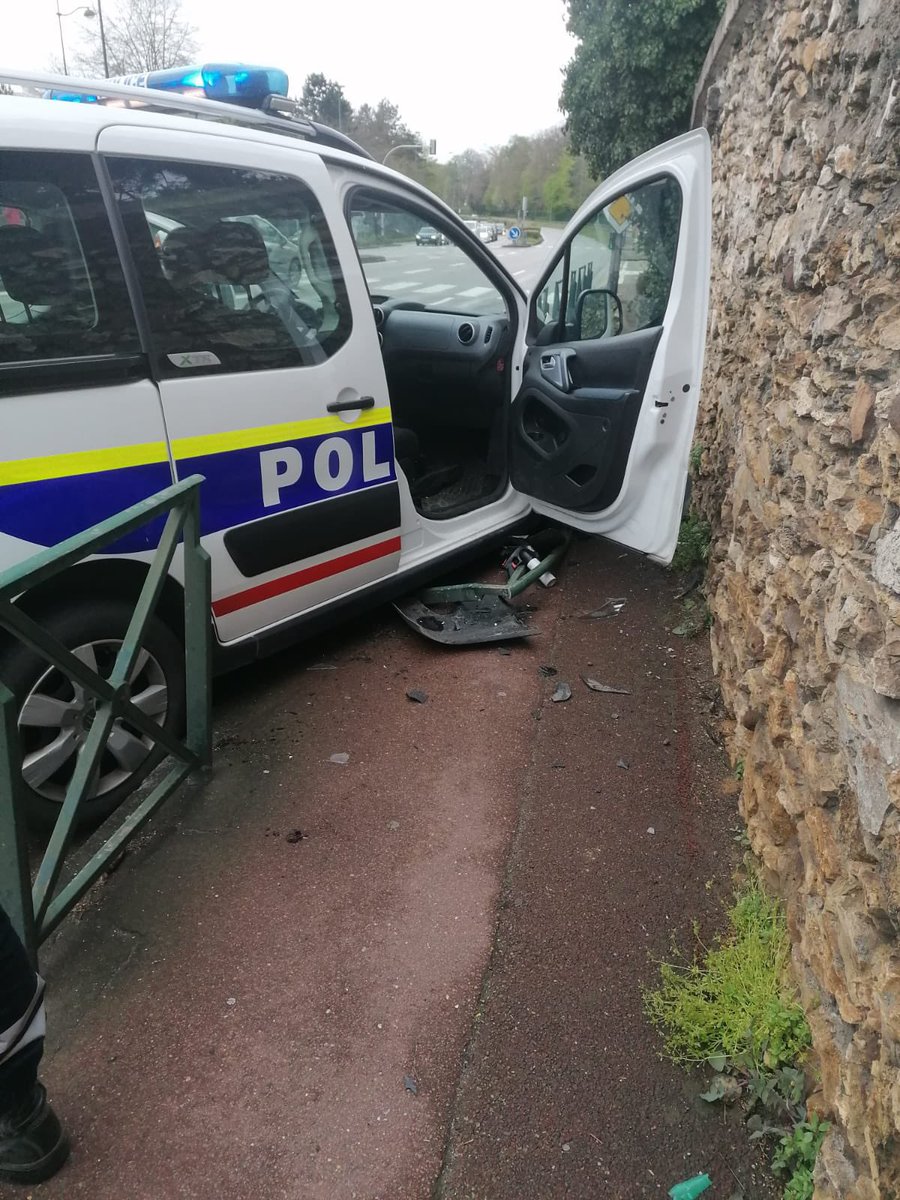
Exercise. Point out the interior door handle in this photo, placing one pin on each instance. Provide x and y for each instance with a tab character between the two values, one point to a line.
351	405
555	368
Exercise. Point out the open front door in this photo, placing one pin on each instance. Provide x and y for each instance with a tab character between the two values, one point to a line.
602	424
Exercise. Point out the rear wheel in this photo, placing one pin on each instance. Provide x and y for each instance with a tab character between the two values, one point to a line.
56	713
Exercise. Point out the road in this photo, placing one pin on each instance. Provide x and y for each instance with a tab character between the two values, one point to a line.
446	278
394	950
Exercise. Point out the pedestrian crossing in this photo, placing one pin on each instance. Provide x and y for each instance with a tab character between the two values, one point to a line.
413	284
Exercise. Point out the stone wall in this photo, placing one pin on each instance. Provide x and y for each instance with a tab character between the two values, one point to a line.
800	477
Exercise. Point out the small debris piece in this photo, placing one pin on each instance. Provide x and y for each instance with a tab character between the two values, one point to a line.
651	829
323	667
296	835
563	692
623	764
689	1189
417	695
548	671
410	1084
341	759
604	687
504	650
393	824
609	608
231	1002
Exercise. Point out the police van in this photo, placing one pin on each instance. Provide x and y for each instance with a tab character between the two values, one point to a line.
361	418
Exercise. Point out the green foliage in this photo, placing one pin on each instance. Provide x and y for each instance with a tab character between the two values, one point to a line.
795	1157
693	543
630	83
541	168
739	769
733	1001
695	618
695	459
731	1007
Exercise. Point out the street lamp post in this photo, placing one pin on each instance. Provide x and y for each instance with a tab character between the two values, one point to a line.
406	146
102	39
90	14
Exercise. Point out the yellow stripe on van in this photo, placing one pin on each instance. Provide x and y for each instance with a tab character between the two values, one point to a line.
81	462
266	435
112	458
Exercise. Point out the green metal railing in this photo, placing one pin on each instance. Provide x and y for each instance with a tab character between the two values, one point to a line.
37	909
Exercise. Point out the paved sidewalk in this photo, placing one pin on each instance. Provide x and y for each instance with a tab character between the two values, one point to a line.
417	973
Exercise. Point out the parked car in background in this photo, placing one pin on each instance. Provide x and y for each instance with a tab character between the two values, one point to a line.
429	236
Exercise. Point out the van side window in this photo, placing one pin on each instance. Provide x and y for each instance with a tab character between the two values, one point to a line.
617	270
62	291
237	267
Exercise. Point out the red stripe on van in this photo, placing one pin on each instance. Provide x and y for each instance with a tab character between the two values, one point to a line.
299	579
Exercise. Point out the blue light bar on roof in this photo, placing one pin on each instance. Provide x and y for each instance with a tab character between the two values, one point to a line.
229	83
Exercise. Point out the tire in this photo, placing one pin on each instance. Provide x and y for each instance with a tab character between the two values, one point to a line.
54	714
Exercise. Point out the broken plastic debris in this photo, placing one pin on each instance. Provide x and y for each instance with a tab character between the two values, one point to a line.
623	764
604	687
410	1084
609	608
563	692
547	671
417	695
340	759
688	1189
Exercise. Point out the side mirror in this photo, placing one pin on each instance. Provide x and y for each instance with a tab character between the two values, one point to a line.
598	314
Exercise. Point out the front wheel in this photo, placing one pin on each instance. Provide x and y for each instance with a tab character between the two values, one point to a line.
55	713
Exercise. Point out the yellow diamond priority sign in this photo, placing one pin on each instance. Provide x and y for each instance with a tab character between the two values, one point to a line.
618	214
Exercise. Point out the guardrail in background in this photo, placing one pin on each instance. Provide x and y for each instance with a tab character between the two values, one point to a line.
36	911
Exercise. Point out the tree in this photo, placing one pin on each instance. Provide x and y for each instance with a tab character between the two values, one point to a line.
141	35
378	128
630	83
324	100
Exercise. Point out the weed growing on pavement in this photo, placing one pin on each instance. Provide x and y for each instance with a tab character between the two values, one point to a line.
692	550
731	1006
734	1001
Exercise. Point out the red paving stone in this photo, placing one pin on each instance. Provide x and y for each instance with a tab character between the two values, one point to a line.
239	1015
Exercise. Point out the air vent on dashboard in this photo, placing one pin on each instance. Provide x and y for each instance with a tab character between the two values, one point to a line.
466	333
378	314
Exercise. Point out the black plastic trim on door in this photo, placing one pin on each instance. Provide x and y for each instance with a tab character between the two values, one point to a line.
289	537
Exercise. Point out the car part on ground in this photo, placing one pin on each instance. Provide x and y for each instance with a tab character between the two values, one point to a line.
467	614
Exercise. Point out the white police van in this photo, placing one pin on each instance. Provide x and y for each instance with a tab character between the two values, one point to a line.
361	417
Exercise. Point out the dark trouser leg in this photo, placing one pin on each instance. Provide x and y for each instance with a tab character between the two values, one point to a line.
32	1144
21	1040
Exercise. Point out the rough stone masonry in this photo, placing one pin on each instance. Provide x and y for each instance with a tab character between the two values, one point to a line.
800	478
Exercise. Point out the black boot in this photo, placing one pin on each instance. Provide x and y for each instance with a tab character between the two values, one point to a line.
32	1144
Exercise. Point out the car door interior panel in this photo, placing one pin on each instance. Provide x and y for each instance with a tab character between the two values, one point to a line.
571	440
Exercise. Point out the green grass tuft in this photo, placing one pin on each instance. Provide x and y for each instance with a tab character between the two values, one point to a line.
693	544
734	1001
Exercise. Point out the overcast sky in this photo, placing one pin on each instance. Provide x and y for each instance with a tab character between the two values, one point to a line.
466	73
